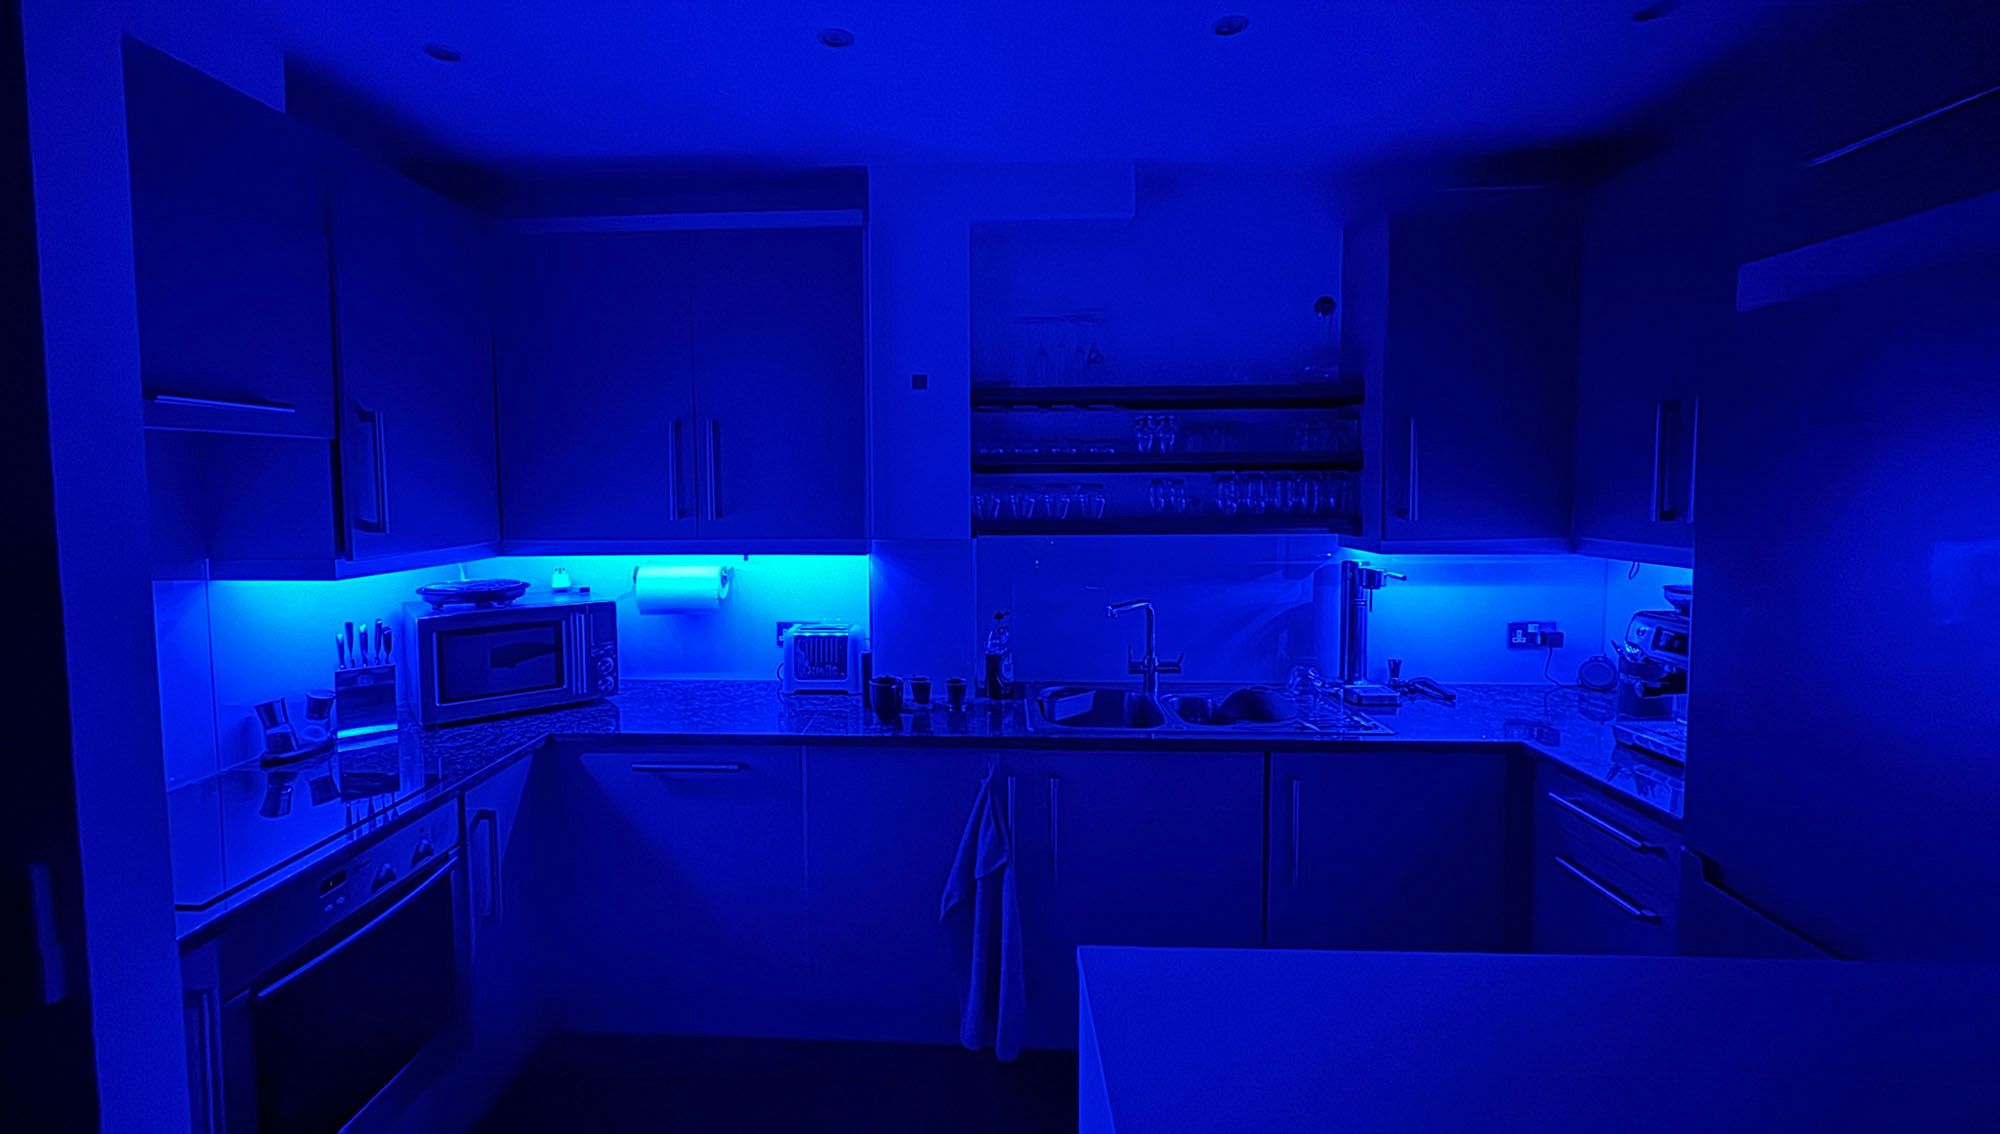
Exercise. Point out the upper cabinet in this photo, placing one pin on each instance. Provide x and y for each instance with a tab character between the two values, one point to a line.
1659	286
704	384
414	336
229	255
316	345
1460	318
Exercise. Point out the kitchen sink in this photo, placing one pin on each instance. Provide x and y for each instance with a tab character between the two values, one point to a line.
1250	708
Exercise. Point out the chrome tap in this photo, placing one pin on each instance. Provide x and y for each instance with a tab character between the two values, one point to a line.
1150	667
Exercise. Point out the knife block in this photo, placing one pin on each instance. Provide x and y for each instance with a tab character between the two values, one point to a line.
364	700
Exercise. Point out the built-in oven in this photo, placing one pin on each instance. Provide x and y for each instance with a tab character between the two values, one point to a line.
468	663
309	1002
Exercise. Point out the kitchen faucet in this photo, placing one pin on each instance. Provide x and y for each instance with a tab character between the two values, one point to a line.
1150	667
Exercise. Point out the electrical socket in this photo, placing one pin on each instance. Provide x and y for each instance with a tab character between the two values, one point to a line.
1533	635
782	627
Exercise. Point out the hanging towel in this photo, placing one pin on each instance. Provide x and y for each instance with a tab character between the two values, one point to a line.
995	1009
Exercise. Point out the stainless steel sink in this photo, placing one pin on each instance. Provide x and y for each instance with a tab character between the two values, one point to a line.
1252	708
1077	706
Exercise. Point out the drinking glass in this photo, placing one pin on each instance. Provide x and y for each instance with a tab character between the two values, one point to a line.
1255	497
1055	502
1225	493
1144	431
1022	504
1177	495
1093	501
1156	496
1166	429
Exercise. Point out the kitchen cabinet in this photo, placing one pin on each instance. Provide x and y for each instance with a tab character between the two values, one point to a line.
686	872
704	384
1658	297
418	468
1395	850
1459	315
1606	875
885	827
229	257
1151	848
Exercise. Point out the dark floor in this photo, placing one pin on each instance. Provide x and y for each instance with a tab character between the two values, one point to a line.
703	1084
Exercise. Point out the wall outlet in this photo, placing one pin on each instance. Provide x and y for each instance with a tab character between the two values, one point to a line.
782	627
1533	635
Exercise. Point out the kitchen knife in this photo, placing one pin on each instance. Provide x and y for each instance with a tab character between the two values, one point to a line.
352	656
340	648
386	643
381	643
363	655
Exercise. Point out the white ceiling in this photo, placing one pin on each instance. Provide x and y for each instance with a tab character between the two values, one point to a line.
1329	83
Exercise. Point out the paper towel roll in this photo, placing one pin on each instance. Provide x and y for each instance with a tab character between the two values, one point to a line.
679	590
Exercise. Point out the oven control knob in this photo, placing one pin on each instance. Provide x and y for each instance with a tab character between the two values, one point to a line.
384	874
424	850
606	683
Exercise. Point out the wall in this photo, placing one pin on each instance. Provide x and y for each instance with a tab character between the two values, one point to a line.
225	646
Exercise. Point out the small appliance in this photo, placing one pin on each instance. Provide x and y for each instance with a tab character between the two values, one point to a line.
822	657
536	652
1653	678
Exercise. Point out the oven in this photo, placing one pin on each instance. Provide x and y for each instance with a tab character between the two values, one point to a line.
311	999
470	663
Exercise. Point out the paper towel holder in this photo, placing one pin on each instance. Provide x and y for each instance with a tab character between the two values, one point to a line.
716	581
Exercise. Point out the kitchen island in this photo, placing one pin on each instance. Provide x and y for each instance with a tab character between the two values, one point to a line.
1220	1040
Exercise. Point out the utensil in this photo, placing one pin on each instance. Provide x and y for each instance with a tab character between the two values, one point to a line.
385	645
381	633
886	697
365	660
350	645
340	650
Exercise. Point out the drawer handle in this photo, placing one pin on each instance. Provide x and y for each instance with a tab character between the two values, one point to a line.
166	399
687	769
1637	913
1625	838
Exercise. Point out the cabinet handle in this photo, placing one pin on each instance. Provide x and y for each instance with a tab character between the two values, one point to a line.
379	456
489	903
1694	461
1296	810
1410	483
1630	841
687	769
674	470
1055	827
1637	913
714	469
54	976
166	399
1666	430
205	1022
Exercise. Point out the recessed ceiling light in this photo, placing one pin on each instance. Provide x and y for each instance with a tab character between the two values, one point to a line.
1658	9
1231	25
836	37
443	52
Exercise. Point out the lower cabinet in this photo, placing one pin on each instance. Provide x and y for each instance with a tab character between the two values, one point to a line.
1606	874
686	877
1131	848
1111	848
1394	850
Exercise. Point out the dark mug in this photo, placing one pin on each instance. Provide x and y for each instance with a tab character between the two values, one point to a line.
920	690
887	697
954	692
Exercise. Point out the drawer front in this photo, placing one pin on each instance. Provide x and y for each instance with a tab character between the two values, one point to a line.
1580	907
1591	825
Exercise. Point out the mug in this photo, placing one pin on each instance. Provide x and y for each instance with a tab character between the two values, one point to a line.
886	697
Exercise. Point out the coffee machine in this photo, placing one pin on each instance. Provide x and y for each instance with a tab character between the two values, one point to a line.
1653	677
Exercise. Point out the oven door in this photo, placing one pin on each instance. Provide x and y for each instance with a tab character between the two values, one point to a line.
325	1035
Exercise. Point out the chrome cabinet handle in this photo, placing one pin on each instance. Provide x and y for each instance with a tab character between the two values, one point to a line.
1296	810
687	769
1630	841
1055	827
1410	494
489	903
54	972
715	468
380	458
163	398
674	470
1637	913
1694	461
1668	507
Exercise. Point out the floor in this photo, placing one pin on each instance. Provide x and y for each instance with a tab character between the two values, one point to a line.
702	1084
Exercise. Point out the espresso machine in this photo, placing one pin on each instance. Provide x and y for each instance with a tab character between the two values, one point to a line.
1653	677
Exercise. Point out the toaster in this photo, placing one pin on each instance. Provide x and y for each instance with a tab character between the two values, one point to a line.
822	657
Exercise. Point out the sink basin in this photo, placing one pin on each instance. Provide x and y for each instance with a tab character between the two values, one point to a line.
1252	705
1073	706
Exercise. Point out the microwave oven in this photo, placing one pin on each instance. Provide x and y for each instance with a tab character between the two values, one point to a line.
470	663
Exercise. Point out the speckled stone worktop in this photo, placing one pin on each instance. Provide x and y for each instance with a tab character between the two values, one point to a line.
241	829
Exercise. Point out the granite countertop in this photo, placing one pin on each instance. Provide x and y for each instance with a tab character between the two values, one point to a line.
238	831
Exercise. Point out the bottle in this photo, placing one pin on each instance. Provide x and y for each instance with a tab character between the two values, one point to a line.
999	658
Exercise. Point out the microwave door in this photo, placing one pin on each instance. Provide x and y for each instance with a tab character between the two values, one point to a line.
491	663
